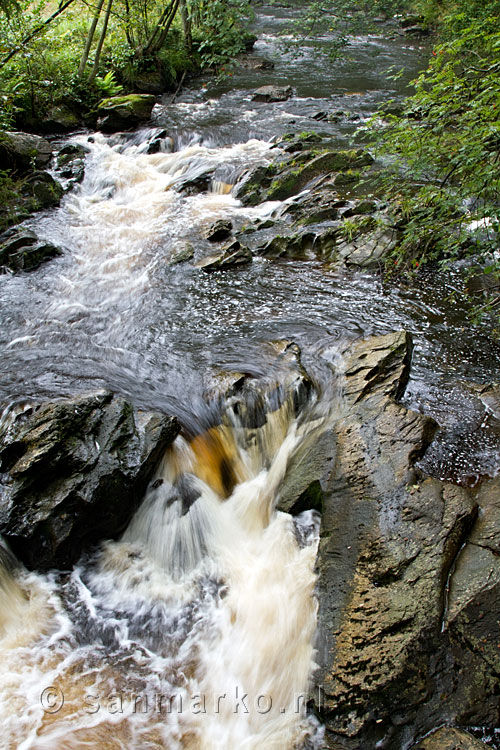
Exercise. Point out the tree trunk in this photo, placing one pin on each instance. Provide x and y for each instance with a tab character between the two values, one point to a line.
90	38
98	51
186	25
159	33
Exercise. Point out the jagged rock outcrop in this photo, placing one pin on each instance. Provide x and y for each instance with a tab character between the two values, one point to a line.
72	473
408	614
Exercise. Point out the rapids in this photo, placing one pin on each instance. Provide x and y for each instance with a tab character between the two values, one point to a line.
195	629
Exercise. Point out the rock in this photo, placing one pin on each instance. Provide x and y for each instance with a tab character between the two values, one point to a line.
219	230
22	151
73	473
70	163
319	116
253	399
230	256
182	253
360	208
272	94
411	20
249	40
292	245
196	185
61	119
292	181
252	62
448	738
409	616
124	112
161	143
46	191
23	251
364	242
315	207
150	82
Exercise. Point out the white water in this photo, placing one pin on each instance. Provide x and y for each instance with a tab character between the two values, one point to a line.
192	631
196	629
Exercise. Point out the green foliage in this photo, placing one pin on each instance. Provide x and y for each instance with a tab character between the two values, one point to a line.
443	175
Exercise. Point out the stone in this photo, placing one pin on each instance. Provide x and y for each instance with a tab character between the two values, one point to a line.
23	151
232	255
409	578
218	231
46	191
150	82
448	738
23	251
61	119
292	181
182	253
73	472
124	112
253	62
272	94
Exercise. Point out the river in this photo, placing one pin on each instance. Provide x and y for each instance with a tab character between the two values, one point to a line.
218	601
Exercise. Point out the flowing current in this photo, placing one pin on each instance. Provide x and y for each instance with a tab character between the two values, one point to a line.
196	629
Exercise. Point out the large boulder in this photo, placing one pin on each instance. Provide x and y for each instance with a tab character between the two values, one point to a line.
73	471
124	112
23	151
409	572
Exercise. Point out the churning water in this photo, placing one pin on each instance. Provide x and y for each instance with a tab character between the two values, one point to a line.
195	630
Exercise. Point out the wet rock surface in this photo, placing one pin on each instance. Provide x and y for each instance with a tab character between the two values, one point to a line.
21	250
230	255
408	572
73	472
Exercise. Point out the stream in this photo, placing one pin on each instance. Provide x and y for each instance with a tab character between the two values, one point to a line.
154	638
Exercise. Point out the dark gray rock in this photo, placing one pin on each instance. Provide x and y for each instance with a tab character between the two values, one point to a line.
232	255
46	191
73	472
408	614
21	250
23	151
218	231
448	738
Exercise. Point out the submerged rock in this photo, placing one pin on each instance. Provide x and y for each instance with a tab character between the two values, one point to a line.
124	112
73	472
272	94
